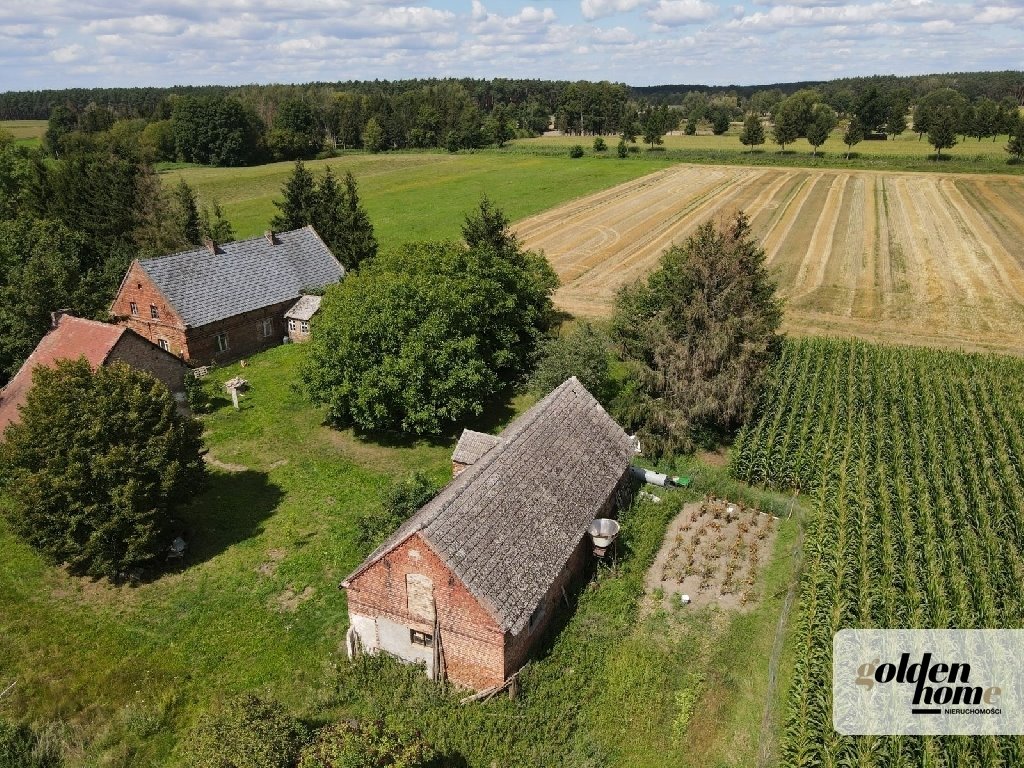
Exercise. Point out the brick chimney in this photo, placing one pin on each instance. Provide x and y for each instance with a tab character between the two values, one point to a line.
269	234
211	246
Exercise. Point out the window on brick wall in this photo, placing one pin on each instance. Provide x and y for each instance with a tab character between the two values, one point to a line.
291	325
134	308
267	326
154	312
162	343
305	326
222	342
421	638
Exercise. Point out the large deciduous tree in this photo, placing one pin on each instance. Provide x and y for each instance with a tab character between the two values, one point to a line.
853	135
699	334
96	464
753	131
421	337
823	121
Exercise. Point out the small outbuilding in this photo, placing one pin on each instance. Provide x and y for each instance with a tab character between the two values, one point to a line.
469	583
299	317
100	344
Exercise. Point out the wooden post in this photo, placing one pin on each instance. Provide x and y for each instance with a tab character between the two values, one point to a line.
234	397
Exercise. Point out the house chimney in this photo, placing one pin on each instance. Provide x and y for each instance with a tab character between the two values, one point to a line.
211	246
269	234
56	315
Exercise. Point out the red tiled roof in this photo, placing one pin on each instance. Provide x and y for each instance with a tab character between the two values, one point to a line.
73	338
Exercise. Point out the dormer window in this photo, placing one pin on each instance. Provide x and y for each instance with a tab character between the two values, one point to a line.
154	312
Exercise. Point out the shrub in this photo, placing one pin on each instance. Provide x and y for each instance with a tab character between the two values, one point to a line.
96	465
368	744
582	353
599	144
400	501
622	149
576	151
247	732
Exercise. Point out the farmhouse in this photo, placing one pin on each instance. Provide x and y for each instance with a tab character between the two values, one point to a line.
468	584
222	302
101	344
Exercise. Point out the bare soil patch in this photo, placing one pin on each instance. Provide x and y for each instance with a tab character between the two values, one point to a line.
269	568
712	552
290	600
226	466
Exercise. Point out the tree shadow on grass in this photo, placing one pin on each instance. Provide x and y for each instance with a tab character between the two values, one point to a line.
231	509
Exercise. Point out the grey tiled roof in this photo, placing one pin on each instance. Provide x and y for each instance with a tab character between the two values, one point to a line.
472	445
507	525
304	308
243	276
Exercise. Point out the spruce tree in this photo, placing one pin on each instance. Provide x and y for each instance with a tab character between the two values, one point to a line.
214	226
300	199
355	242
185	214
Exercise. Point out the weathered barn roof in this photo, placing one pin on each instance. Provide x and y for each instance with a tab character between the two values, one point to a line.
204	287
472	446
73	337
304	308
507	525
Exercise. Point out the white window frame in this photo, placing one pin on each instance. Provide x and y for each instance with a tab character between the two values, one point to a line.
133	308
291	324
223	344
154	313
267	327
305	326
164	345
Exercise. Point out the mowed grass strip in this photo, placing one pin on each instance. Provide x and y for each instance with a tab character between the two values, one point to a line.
418	196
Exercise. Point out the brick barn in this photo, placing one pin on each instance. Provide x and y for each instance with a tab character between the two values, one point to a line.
222	302
101	344
469	583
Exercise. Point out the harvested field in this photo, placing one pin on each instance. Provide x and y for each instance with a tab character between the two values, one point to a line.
914	258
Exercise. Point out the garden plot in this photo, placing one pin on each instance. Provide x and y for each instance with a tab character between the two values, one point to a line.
711	553
928	259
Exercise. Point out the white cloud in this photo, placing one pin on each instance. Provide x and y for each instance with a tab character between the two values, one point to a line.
596	9
68	54
676	13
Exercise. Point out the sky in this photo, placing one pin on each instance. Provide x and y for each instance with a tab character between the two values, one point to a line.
83	43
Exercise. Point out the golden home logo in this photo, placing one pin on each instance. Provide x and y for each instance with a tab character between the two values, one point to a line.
919	682
934	684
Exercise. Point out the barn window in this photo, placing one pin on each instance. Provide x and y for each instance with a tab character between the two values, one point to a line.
305	326
154	312
222	342
291	325
421	638
134	308
268	326
162	343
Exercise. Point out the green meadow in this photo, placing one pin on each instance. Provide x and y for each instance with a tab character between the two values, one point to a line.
120	673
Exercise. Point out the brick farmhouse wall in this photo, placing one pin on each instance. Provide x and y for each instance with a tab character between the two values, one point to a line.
473	642
138	353
196	345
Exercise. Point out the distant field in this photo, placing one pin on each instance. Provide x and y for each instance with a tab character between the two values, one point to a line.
415	196
921	258
24	129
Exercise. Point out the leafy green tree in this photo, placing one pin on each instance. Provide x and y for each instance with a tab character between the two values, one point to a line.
986	119
246	732
296	132
942	125
1015	146
854	135
421	337
753	131
96	465
158	140
691	126
944	101
367	744
499	128
576	151
599	144
823	121
629	128
373	136
62	122
720	120
298	208
786	128
621	149
400	501
872	110
699	335
216	131
582	353
213	225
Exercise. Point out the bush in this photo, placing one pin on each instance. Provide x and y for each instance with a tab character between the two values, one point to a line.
399	503
622	149
369	744
599	144
583	353
247	732
576	151
96	465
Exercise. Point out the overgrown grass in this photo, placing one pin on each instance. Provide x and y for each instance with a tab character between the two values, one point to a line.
129	669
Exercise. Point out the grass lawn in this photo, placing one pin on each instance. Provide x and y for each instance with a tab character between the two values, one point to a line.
257	608
418	195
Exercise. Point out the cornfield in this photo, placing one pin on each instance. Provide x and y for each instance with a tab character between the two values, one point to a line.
914	463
